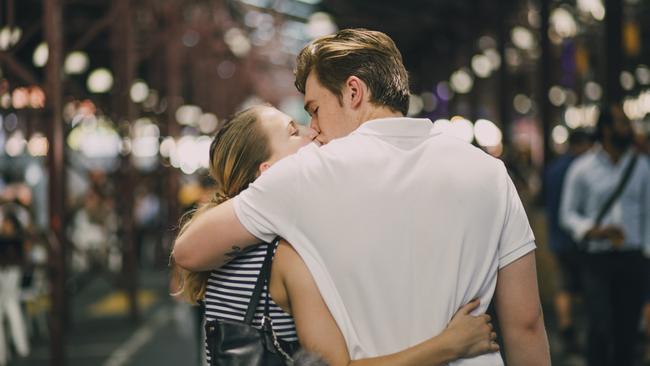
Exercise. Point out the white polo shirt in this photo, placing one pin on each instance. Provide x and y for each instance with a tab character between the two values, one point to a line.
399	225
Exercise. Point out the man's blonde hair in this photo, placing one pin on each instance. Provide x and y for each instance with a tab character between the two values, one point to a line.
369	55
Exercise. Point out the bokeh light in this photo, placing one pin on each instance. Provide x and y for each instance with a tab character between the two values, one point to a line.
139	91
41	54
560	134
76	63
100	81
461	81
487	134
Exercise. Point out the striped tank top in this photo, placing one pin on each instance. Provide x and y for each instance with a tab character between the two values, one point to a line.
230	289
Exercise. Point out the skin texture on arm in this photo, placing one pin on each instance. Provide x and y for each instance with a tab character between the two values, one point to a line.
293	286
520	314
212	240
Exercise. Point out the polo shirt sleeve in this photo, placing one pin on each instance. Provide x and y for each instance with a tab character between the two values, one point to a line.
267	208
517	237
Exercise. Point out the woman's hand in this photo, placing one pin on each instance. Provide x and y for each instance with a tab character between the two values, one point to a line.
471	335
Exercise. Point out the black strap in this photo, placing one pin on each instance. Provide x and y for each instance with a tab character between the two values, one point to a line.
617	192
263	278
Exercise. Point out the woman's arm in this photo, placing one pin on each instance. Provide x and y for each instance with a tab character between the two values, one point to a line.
466	335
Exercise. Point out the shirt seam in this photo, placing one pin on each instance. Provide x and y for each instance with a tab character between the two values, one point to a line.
525	248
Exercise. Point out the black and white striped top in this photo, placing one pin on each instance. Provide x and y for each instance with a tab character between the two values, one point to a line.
230	289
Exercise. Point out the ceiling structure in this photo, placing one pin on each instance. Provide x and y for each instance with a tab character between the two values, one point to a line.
434	37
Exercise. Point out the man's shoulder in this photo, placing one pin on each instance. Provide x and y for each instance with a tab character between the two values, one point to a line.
644	162
558	166
310	157
469	154
584	163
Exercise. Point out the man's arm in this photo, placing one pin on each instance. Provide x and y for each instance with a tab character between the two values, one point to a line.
519	313
572	199
465	336
212	239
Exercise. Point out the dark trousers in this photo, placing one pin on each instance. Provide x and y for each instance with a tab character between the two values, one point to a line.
614	284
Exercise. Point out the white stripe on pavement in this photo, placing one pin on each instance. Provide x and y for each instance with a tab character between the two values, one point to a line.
142	336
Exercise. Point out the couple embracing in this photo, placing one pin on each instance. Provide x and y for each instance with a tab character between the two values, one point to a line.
387	240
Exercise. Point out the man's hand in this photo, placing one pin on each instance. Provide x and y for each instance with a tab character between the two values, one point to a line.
612	233
595	233
616	235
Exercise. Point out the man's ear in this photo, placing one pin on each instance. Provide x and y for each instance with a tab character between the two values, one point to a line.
356	91
263	167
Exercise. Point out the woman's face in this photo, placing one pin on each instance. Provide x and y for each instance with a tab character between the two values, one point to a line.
285	135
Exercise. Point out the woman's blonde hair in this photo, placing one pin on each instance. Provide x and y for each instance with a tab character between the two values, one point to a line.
236	152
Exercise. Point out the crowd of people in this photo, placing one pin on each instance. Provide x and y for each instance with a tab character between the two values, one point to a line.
93	250
16	268
598	210
370	238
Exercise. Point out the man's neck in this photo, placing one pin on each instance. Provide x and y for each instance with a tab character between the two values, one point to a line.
615	154
378	113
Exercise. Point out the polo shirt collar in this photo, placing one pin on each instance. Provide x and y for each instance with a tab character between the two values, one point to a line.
400	126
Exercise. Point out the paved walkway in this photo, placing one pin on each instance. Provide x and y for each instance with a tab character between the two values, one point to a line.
101	334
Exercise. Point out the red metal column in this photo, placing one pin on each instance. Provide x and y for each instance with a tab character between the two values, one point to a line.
174	89
545	110
614	56
124	65
52	26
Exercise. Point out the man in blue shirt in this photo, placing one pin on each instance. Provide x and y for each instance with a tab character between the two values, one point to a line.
560	242
614	267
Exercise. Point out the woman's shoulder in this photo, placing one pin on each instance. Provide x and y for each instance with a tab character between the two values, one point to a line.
286	259
285	249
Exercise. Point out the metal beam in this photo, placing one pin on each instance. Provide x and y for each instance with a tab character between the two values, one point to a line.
546	110
504	90
97	27
613	91
124	64
10	13
21	71
27	35
174	90
53	30
153	45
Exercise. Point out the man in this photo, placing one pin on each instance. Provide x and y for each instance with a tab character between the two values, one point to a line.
614	267
399	226
559	241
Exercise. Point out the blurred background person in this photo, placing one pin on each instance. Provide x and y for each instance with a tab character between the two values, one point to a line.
93	234
614	268
560	242
13	248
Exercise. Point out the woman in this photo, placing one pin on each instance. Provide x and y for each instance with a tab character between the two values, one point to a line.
13	236
247	145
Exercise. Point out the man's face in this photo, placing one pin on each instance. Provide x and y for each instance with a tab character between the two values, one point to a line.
329	116
622	133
